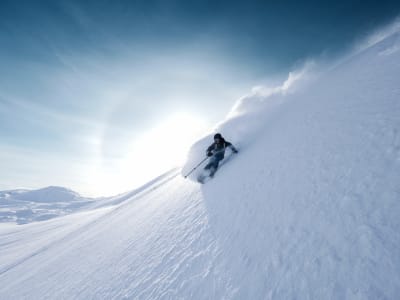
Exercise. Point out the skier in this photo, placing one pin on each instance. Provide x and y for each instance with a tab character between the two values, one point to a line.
216	152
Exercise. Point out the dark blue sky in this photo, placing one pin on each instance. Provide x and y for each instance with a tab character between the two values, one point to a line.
267	35
81	82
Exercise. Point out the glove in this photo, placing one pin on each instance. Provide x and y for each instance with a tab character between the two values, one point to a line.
209	154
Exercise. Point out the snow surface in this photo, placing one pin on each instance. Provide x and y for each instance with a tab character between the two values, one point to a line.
309	208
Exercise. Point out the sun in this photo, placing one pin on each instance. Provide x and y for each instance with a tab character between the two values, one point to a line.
154	152
169	141
164	146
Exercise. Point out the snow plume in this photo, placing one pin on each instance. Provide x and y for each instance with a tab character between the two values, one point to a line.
262	97
251	113
379	35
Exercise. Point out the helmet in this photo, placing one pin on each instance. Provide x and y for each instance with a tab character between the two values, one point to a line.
217	136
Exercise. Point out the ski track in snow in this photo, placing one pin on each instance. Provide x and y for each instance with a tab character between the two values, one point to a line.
309	211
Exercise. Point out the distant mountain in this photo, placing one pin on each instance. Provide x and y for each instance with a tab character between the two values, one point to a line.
24	206
47	194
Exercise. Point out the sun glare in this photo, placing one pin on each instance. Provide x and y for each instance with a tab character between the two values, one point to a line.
157	150
167	144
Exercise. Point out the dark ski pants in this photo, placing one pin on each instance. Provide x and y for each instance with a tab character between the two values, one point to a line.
213	163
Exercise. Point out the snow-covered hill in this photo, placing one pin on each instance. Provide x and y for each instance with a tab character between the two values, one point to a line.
309	208
25	206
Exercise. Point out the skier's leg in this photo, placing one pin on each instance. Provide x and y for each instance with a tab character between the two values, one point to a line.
214	166
211	163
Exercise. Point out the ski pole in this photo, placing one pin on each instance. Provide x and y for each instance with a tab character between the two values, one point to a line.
195	167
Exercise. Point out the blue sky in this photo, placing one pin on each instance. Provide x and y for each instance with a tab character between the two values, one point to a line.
101	96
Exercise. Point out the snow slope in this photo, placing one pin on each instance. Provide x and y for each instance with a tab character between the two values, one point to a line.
309	208
25	206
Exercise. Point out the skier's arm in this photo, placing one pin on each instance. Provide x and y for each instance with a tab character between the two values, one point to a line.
209	150
234	150
227	144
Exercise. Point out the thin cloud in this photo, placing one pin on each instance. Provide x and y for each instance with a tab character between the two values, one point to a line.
44	114
377	35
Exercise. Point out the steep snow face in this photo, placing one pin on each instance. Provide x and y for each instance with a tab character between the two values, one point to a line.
312	206
307	210
310	209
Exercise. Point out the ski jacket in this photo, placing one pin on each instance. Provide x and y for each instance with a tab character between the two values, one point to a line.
218	149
